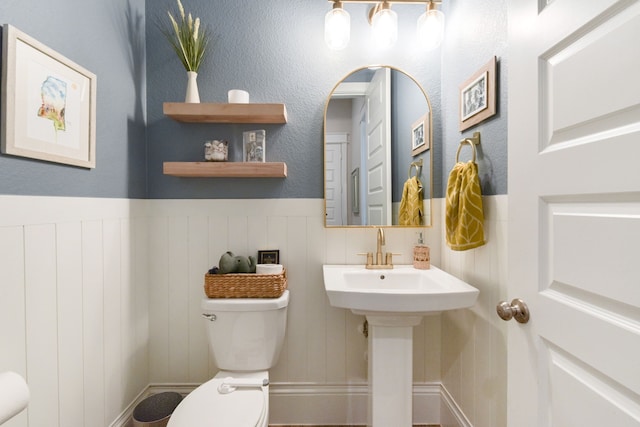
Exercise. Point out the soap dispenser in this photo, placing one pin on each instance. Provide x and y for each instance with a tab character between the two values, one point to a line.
421	258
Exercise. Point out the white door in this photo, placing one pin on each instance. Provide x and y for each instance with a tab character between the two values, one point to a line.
574	212
334	174
378	148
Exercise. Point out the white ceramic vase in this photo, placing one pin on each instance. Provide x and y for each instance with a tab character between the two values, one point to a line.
192	88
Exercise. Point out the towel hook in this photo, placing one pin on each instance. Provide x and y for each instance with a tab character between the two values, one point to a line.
417	165
472	141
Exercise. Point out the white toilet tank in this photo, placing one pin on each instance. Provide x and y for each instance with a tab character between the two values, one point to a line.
246	334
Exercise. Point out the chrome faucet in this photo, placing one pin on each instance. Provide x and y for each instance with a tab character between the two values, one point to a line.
380	262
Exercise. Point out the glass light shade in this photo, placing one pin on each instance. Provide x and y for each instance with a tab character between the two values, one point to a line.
431	29
337	28
384	27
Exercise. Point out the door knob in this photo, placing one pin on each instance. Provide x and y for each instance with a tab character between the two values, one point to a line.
517	310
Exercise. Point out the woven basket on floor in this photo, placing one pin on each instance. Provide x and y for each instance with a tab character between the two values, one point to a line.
245	285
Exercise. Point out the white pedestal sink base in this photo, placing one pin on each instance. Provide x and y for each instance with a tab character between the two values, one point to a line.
394	301
391	370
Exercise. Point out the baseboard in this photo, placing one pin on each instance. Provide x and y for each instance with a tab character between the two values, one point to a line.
327	404
451	414
126	417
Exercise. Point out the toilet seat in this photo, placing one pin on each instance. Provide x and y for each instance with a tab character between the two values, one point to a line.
206	406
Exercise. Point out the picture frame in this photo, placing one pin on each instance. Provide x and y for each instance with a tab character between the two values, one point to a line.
478	96
253	146
420	135
48	103
355	191
270	256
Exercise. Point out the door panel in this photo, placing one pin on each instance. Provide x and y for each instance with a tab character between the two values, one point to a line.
334	177
574	212
378	160
608	404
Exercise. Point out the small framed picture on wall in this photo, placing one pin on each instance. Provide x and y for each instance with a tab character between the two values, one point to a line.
478	96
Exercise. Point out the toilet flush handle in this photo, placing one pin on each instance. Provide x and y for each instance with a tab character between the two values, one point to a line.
230	384
210	317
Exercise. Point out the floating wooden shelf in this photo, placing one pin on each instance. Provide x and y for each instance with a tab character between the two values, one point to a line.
225	169
226	113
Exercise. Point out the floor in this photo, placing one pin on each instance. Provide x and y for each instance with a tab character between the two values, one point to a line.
306	425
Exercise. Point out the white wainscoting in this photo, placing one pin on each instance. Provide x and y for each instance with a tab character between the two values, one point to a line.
100	298
474	342
74	306
323	345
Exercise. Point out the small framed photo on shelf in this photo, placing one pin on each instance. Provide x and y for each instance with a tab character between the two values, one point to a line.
253	146
271	256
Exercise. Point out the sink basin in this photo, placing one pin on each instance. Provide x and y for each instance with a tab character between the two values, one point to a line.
401	290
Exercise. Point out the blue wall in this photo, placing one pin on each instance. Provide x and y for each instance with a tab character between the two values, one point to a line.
107	38
408	104
476	31
275	50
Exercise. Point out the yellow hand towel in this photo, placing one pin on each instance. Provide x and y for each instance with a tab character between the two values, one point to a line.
411	206
464	214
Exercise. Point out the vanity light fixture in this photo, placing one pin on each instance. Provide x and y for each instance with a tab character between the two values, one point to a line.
337	27
384	23
430	28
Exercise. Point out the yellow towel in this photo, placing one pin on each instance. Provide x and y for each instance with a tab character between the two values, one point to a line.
464	214
411	205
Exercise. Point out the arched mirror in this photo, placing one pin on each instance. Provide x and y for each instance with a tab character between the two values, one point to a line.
377	139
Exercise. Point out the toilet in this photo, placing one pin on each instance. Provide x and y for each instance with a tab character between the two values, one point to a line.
245	336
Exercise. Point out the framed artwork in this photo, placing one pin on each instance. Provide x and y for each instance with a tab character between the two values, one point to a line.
478	96
253	146
355	191
271	256
420	135
48	103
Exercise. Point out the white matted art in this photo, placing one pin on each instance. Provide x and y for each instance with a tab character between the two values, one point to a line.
48	103
478	96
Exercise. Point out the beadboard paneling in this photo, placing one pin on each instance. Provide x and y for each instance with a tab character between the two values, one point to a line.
13	308
120	282
73	316
474	342
323	344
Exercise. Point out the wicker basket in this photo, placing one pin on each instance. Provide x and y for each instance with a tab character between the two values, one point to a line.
245	285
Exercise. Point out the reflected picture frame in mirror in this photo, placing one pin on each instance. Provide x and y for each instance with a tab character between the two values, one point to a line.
351	185
420	135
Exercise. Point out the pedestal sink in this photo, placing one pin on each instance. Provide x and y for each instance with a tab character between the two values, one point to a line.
394	301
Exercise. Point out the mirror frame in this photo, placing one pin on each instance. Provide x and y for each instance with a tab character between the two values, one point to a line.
324	150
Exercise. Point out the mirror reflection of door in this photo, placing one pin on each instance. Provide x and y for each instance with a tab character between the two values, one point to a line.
375	109
378	148
335	169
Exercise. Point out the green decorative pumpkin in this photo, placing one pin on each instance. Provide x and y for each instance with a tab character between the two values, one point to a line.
230	263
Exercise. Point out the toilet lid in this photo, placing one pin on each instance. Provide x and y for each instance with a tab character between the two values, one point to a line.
206	407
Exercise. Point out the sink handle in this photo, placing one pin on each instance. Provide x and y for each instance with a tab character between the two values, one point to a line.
369	256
